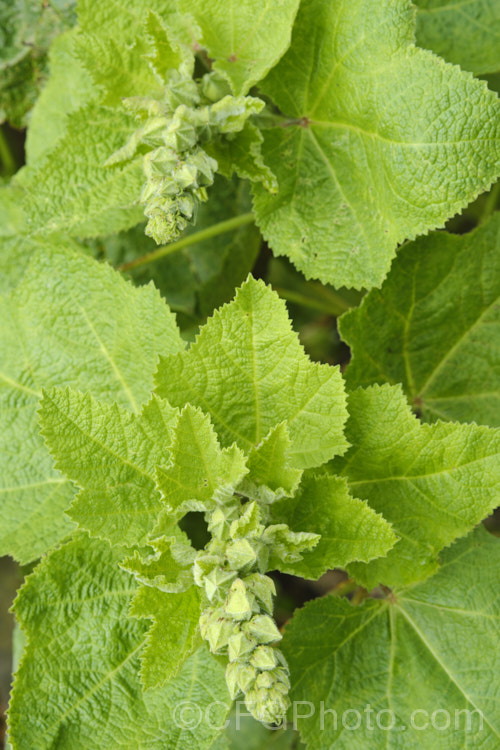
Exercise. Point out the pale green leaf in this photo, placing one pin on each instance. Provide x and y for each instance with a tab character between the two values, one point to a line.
68	88
465	32
199	473
174	634
248	371
80	670
71	190
270	475
27	30
434	326
350	530
433	483
241	153
245	38
113	18
425	660
384	141
111	453
70	322
168	566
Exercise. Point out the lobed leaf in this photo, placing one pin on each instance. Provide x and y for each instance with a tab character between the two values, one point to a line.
434	326
381	141
433	483
248	371
417	669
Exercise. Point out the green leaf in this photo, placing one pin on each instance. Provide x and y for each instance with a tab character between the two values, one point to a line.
248	371
71	190
245	38
422	658
81	667
70	322
464	33
27	30
174	635
241	153
112	18
270	475
435	327
199	474
433	483
168	567
383	141
68	88
111	454
350	530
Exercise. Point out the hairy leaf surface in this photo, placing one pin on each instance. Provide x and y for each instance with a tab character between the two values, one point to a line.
425	655
81	667
434	483
382	141
70	322
466	33
248	371
434	326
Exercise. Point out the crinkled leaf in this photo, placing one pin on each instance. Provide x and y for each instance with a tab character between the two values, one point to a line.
433	483
248	371
270	475
81	667
241	153
435	327
166	563
466	33
199	472
428	652
174	634
350	530
112	18
385	141
26	32
71	190
70	322
245	38
111	454
68	88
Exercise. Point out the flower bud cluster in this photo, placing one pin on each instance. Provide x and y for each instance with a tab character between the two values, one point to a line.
238	620
177	169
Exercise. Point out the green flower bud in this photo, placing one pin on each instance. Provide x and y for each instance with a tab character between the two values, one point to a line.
239	644
263	628
239	604
241	554
264	658
263	588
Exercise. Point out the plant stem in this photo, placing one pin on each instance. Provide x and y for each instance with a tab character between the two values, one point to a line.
6	156
490	203
190	239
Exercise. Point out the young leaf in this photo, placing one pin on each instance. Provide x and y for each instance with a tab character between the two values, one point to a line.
245	38
70	190
112	455
435	327
384	141
70	322
248	371
464	33
199	473
270	475
174	634
81	667
423	661
432	482
350	530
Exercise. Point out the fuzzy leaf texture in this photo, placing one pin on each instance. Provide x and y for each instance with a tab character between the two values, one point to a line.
70	322
434	326
384	141
434	483
426	648
245	38
81	667
464	33
248	371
